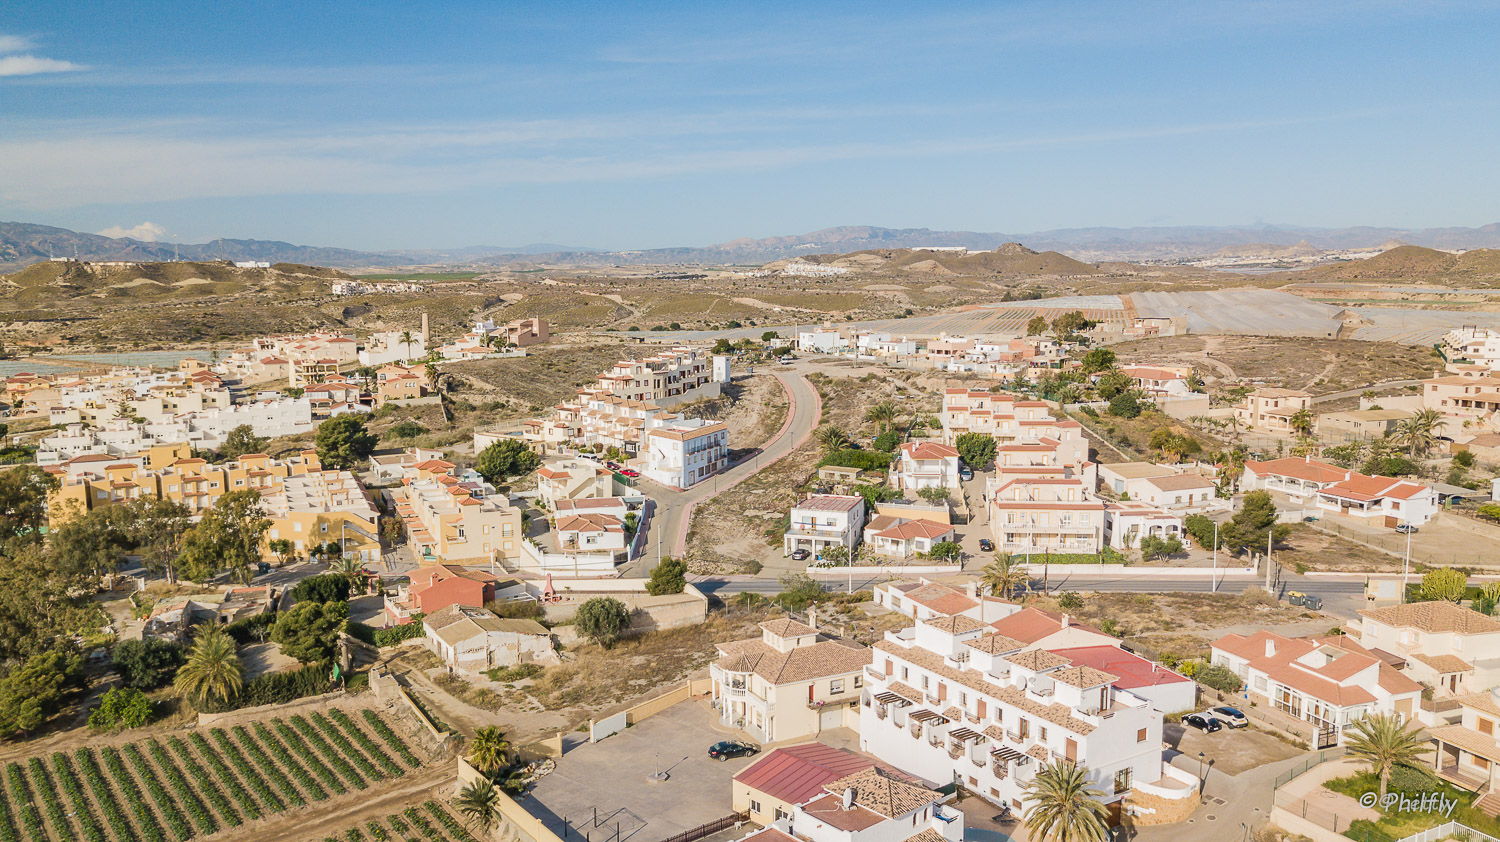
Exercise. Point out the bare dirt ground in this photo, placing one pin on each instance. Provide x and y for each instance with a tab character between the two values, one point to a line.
1317	365
1183	624
741	528
1307	549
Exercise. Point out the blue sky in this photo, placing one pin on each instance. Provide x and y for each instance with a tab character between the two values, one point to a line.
637	125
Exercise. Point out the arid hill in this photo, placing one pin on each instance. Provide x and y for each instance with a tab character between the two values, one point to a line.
55	280
1413	263
1010	260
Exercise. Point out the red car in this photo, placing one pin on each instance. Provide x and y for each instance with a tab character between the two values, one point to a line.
627	472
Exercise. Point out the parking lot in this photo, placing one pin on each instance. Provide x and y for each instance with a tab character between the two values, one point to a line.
1228	750
613	776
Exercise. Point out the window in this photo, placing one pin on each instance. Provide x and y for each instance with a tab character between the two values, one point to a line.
782	814
755	806
859	681
1480	762
924	682
1486	726
1041	733
836	686
1140	736
1122	781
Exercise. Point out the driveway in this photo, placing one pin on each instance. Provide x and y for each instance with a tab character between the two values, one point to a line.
613	777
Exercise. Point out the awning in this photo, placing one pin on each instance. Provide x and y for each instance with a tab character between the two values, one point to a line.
889	698
929	716
1006	754
966	734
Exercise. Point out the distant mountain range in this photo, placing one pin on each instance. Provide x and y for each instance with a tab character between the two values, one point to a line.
22	244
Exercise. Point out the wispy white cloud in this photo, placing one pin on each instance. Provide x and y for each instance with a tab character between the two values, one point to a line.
35	65
27	64
76	164
146	232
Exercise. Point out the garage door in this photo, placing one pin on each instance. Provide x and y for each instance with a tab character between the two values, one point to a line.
831	717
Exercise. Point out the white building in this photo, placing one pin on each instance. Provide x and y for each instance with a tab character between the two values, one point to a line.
948	700
901	537
925	464
1125	524
1453	649
1476	345
686	452
791	682
1046	514
823	521
1384	501
386	347
1329	682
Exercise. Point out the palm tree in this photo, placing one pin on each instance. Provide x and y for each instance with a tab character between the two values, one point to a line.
1064	806
349	567
408	340
1385	743
1301	422
1419	432
831	438
479	802
1003	577
883	413
212	670
489	750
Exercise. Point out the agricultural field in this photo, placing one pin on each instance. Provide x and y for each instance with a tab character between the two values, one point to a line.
190	785
1320	366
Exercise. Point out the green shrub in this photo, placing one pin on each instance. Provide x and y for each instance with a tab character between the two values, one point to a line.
1220	678
517	609
1413	779
864	460
396	634
518	672
325	587
121	707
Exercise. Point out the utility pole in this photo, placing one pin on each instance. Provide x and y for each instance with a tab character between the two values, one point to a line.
1214	579
1406	569
1270	536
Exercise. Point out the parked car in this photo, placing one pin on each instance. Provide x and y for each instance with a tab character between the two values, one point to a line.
628	472
986	545
965	474
1229	716
1405	528
1206	724
800	555
731	748
262	567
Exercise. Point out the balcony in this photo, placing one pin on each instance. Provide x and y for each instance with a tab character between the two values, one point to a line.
874	673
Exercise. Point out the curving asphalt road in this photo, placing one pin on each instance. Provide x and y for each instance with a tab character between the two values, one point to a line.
674	508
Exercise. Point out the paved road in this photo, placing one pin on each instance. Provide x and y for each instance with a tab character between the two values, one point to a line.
675	508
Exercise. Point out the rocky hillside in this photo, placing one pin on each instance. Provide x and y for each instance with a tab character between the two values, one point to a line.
72	281
1408	263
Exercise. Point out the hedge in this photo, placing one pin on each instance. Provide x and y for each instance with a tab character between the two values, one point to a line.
277	688
243	631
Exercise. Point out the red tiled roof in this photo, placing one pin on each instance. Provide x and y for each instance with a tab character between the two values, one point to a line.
1131	670
1032	624
928	450
795	774
1304	468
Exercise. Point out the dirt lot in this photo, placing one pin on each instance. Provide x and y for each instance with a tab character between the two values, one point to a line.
1308	549
742	528
1317	365
1230	751
753	409
1180	624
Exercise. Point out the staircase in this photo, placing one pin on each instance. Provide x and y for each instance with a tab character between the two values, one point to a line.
1489	804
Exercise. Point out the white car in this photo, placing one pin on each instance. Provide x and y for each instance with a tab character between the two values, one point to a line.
1229	716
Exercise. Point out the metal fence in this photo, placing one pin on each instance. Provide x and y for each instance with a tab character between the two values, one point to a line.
1394	544
1323	757
709	829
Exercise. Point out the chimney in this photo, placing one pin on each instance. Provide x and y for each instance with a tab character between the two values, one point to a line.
849	799
812	616
972	590
1066	621
426	336
1270	647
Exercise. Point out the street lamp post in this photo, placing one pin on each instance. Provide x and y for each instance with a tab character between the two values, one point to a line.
1202	774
